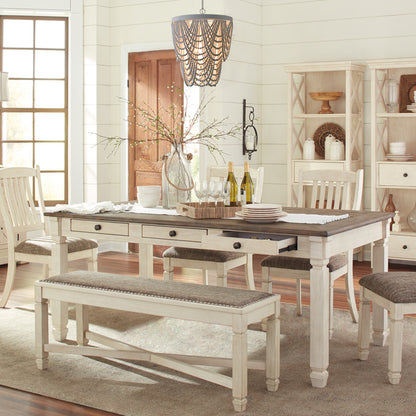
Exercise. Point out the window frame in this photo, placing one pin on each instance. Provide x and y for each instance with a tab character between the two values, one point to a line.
38	110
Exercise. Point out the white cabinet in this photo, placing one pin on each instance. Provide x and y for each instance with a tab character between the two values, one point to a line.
389	176
305	120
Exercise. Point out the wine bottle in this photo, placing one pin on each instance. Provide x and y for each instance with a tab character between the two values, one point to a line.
231	187
247	187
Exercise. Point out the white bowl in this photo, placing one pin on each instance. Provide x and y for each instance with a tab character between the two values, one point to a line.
397	148
148	196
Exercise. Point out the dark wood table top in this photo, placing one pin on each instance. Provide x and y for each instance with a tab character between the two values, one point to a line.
356	219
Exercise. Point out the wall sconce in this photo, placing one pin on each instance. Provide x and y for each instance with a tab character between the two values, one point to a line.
4	86
250	137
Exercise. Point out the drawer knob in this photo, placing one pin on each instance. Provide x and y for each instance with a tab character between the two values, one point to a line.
237	245
172	233
97	227
405	247
405	175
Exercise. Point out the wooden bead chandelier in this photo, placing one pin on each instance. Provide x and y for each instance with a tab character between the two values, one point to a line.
202	43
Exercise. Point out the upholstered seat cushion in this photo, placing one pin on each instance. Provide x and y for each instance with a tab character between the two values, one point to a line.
190	292
199	254
398	287
300	263
42	246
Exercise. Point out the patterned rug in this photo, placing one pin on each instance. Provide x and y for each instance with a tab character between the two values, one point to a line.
142	389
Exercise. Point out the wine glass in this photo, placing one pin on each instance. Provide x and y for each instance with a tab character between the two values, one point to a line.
214	190
201	189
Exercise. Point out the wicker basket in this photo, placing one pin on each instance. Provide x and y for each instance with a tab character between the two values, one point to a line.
206	210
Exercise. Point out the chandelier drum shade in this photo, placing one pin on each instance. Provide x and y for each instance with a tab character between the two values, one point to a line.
202	43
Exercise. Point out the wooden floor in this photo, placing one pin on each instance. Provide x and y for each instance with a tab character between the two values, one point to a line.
16	403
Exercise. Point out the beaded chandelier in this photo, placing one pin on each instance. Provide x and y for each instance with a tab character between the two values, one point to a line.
202	43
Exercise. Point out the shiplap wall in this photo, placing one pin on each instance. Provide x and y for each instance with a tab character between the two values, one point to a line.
267	35
323	30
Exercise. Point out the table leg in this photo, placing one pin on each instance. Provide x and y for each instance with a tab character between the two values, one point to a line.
319	313
146	260
59	310
380	264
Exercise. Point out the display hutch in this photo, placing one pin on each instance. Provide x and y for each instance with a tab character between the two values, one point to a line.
394	175
306	121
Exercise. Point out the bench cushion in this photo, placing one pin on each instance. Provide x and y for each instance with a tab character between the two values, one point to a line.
42	246
200	254
397	287
190	292
300	263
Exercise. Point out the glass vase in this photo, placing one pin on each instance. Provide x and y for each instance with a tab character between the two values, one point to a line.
411	219
176	178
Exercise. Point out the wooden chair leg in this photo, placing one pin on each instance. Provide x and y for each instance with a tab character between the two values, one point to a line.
331	307
11	273
205	276
92	261
167	269
395	347
349	287
299	296
266	280
239	362
221	275
249	275
364	328
45	271
81	313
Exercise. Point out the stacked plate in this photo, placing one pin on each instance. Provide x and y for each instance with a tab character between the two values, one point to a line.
399	158
261	213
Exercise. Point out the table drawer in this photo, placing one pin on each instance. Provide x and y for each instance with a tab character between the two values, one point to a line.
251	242
173	233
100	227
396	174
402	246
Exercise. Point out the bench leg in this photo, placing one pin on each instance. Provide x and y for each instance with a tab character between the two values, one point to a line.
273	352
81	313
221	272
41	330
239	382
167	269
59	312
364	327
395	347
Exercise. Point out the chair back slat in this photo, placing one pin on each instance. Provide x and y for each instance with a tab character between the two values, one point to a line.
17	204
331	189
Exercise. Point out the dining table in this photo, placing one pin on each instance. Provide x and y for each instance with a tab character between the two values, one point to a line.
317	241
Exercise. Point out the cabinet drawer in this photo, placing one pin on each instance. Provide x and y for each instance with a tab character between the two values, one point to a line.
250	242
397	174
100	227
173	233
402	246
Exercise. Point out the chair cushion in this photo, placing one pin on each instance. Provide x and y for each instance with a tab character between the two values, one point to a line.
301	263
42	246
202	255
190	292
397	287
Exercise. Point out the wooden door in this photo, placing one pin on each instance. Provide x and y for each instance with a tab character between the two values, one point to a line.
150	74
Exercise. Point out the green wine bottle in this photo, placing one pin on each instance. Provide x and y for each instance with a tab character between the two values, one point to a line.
231	187
247	187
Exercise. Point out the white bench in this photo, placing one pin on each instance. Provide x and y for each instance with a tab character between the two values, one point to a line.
224	306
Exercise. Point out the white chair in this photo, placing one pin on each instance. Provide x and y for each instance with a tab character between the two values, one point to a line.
219	261
330	189
20	216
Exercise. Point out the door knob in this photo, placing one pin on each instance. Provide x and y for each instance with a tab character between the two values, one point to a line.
172	233
97	227
237	245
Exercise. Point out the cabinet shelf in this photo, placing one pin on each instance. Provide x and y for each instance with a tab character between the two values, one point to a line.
396	115
324	116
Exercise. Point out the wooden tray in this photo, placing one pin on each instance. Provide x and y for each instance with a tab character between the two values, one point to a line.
206	210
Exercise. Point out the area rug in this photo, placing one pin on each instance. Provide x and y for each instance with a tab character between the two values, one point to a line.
142	389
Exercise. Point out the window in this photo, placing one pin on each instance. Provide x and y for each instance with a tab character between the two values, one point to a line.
34	122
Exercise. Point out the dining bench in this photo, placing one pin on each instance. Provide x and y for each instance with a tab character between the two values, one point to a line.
236	308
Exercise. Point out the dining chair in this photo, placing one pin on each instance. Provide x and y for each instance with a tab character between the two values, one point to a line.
396	292
21	216
218	261
324	189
